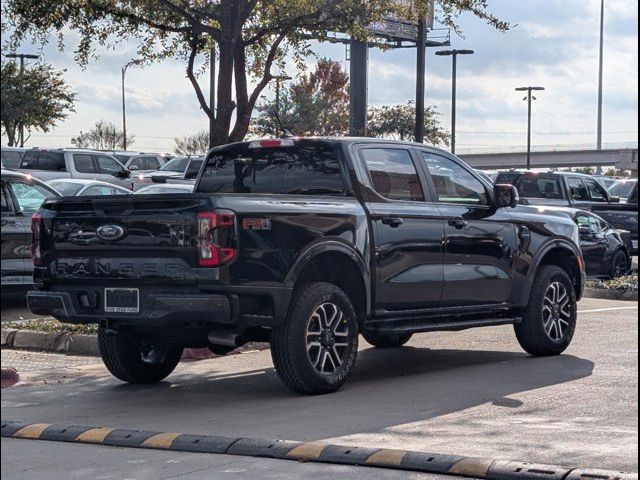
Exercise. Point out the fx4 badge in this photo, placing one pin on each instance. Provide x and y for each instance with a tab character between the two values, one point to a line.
256	224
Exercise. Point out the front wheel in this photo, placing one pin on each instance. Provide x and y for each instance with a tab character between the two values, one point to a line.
315	349
134	360
549	321
619	264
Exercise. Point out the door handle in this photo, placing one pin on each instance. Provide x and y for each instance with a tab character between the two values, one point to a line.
393	222
458	222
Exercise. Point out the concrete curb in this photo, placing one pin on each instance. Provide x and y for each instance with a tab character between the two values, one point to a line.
482	468
74	344
610	294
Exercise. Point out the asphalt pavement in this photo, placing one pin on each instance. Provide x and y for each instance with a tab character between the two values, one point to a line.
472	393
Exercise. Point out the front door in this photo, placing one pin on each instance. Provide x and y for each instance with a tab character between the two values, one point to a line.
481	242
408	230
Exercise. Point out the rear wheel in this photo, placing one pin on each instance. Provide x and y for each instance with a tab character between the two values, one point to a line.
386	340
549	321
619	264
315	349
135	360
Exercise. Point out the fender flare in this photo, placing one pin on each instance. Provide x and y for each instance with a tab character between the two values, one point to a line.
331	246
551	245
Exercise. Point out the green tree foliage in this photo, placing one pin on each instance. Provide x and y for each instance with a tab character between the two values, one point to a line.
317	104
103	136
398	122
252	37
192	145
37	98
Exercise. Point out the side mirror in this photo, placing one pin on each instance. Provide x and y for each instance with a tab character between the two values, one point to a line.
506	196
134	167
614	199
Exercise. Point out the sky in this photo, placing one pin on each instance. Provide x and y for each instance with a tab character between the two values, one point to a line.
554	44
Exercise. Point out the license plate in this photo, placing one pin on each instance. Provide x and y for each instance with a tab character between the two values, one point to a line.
122	300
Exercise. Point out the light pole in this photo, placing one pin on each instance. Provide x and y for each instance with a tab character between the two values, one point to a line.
22	57
124	108
528	99
599	138
454	72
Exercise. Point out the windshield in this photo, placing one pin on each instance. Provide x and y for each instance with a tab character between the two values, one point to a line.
311	169
622	189
67	189
176	165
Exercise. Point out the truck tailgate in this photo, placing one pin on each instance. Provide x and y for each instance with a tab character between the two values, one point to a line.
145	237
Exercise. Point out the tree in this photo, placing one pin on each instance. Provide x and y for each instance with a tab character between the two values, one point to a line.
103	136
318	104
37	98
192	145
398	122
252	37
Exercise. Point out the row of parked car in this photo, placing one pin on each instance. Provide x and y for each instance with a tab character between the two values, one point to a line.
607	217
131	170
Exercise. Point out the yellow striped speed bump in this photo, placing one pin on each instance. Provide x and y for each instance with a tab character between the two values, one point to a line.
306	452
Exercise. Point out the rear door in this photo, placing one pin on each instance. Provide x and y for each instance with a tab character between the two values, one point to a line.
407	227
480	242
14	242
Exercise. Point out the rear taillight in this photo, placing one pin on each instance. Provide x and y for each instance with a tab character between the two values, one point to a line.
36	229
216	239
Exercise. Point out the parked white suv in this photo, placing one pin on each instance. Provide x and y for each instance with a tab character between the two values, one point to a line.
75	163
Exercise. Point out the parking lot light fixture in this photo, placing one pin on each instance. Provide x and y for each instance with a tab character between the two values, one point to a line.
454	67
529	98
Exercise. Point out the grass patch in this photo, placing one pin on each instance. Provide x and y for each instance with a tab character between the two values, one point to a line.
628	283
52	326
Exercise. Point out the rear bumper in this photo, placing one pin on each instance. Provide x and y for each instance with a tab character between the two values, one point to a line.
156	310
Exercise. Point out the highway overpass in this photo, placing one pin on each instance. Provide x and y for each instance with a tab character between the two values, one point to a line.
624	159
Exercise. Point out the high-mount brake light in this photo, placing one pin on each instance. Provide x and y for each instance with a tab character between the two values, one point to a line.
272	143
36	230
216	238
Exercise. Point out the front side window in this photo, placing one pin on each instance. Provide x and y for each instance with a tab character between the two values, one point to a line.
109	165
296	170
454	184
597	191
393	173
84	163
590	222
29	196
577	190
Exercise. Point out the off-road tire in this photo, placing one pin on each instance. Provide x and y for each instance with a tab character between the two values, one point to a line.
122	357
386	340
530	331
289	349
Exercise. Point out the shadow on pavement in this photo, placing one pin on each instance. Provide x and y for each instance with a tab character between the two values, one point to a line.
388	388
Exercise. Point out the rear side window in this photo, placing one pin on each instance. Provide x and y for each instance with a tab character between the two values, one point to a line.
84	163
299	170
193	169
577	190
11	158
539	186
393	173
38	160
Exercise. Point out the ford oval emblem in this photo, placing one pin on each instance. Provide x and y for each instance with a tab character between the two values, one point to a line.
110	232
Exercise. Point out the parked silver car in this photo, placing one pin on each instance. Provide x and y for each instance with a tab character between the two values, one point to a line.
78	187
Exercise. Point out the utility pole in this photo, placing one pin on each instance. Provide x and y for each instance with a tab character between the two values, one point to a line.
22	57
124	108
454	73
358	64
421	45
529	99
599	138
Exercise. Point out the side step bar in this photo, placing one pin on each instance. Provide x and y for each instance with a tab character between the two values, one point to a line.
416	326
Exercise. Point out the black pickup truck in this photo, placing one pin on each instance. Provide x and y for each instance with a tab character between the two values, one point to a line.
623	216
307	243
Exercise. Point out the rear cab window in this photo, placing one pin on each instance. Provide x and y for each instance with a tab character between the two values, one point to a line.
302	169
43	160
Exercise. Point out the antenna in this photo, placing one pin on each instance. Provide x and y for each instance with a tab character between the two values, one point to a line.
285	132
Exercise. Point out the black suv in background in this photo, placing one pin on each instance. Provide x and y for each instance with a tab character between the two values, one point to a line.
307	243
22	195
560	189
